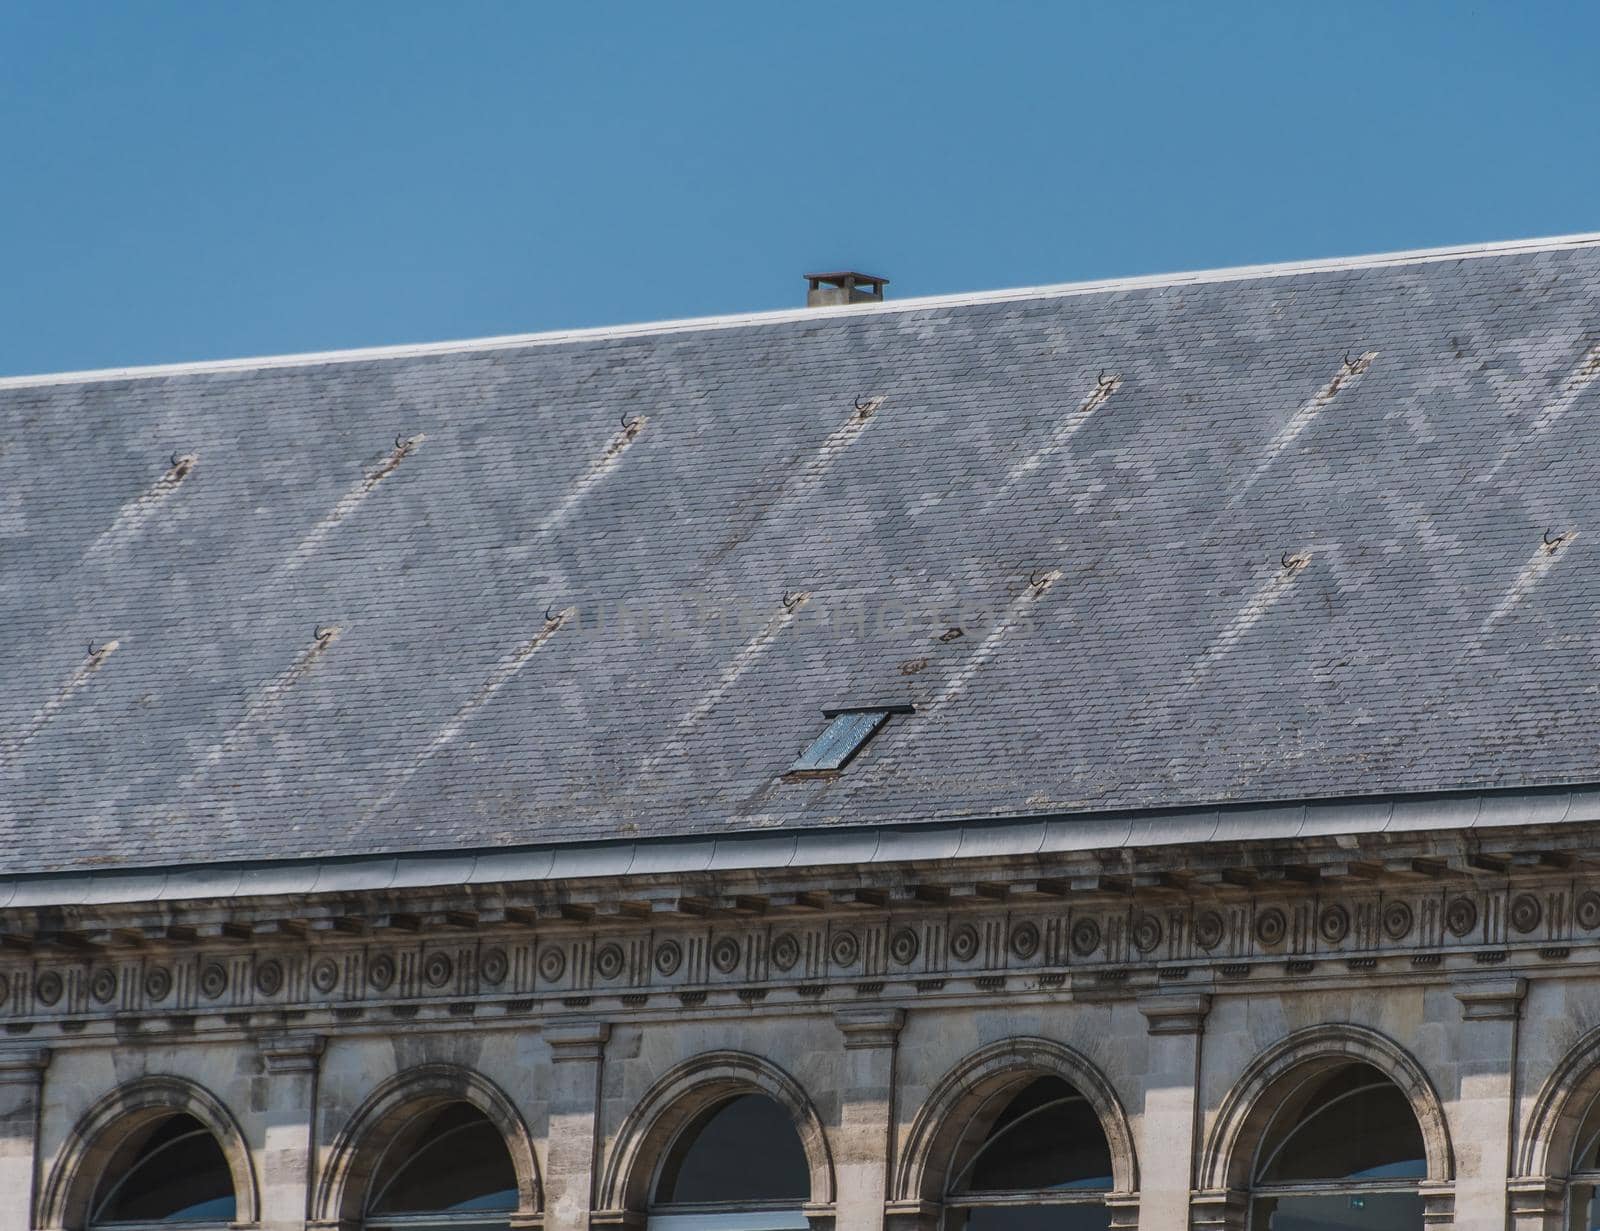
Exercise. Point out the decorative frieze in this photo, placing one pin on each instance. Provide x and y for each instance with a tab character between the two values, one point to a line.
921	942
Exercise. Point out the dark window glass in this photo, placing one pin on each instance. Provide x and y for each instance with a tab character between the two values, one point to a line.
1352	1125
744	1150
1046	1137
453	1159
1585	1200
1352	1211
1586	1157
1094	1216
843	737
176	1173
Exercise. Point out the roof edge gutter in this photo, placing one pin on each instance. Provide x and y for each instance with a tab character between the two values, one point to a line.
995	837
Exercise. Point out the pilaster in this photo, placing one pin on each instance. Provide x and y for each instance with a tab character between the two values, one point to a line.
1166	1127
21	1083
288	1146
578	1051
866	1111
1480	1117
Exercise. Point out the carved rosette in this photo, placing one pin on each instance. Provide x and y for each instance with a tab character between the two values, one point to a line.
1397	919
667	958
552	963
1209	929
1460	916
1272	925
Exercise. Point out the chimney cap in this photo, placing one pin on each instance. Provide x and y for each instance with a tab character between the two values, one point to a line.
847	286
845	278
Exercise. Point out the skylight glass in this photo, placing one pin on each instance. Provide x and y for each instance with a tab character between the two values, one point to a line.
845	735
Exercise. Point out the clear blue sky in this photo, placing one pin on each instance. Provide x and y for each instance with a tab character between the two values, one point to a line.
191	181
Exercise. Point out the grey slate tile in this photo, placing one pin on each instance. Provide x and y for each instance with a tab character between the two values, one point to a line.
1428	643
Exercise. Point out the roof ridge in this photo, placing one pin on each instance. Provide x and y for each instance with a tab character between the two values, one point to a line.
1235	273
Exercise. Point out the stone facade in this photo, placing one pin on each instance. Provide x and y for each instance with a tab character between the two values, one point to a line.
1180	991
385	730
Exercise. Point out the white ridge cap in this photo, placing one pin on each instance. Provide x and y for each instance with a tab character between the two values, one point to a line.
1237	273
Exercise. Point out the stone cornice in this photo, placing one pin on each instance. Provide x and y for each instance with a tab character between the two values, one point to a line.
621	1220
1218	1209
23	1066
1175	1013
1491	999
1124	1207
577	1040
870	1027
911	1214
295	1053
1537	1193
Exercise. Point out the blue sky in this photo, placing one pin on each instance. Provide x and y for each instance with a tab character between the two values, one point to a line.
187	181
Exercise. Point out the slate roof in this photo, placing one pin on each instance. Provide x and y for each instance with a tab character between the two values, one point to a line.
1246	537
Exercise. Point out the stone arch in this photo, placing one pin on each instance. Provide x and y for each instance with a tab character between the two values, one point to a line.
1547	1143
101	1140
1247	1111
342	1190
681	1094
940	1128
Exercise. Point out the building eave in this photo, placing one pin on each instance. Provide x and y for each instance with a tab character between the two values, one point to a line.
1000	837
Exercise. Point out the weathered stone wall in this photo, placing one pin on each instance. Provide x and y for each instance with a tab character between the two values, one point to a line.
1181	1076
1183	996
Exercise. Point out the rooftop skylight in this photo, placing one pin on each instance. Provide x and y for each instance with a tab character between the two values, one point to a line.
846	734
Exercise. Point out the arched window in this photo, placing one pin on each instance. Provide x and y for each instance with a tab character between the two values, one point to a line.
448	1166
737	1166
1583	1191
1342	1151
1033	1158
172	1170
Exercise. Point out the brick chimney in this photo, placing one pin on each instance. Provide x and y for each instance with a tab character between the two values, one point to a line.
848	287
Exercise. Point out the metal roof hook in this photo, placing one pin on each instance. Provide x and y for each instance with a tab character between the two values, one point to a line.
1104	381
402	442
319	633
174	459
626	426
789	604
92	650
1034	580
547	616
1554	542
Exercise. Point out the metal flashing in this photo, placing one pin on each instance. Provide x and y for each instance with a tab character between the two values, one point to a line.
997	837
